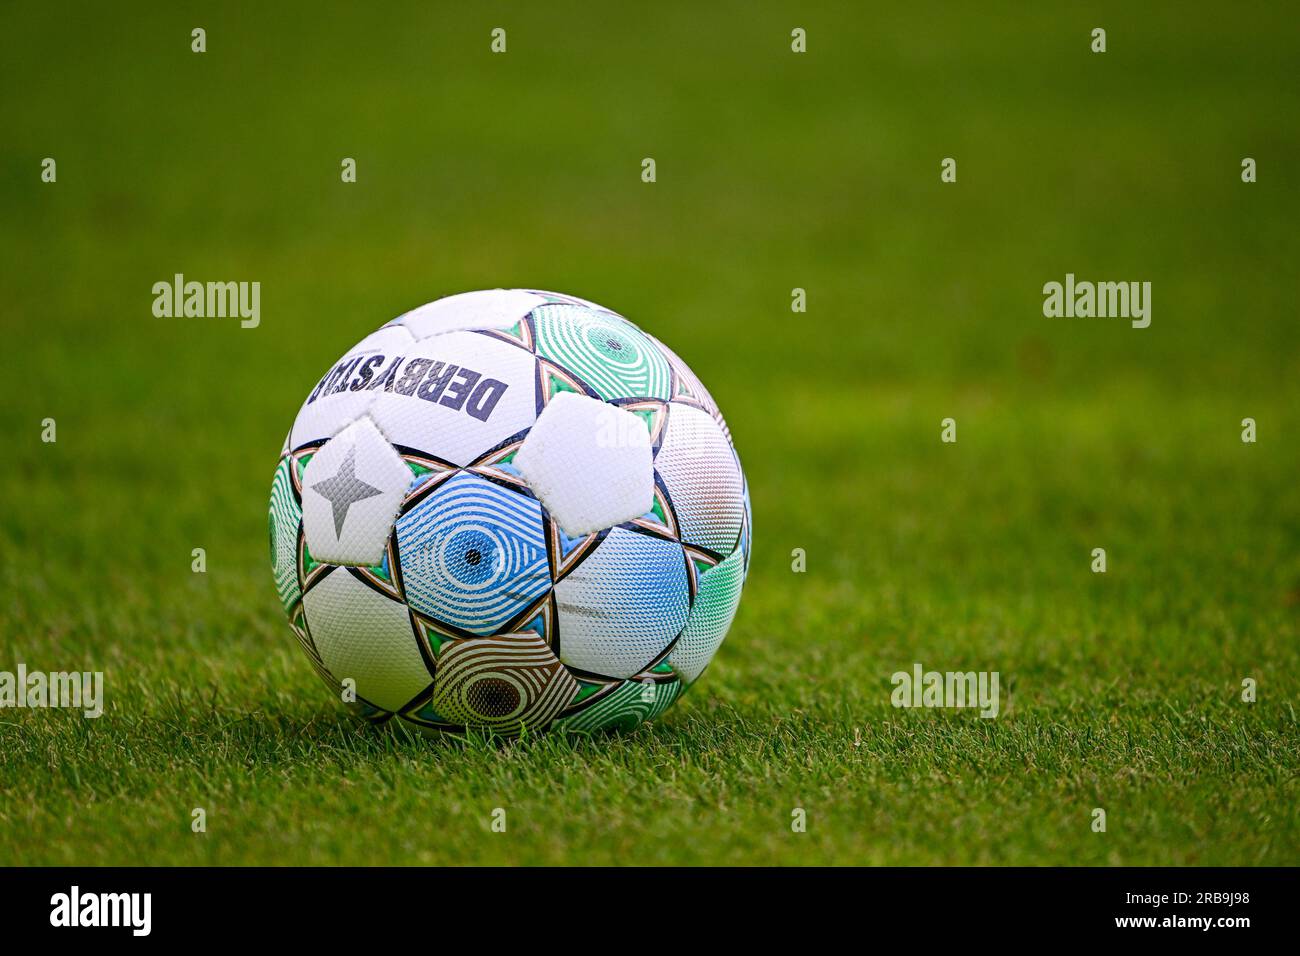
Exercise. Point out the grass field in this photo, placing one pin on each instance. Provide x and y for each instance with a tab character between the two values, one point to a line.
775	170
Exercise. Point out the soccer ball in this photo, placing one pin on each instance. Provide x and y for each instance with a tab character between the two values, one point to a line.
510	510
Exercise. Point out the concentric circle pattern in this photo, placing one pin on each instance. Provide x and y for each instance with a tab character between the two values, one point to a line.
473	554
612	356
508	683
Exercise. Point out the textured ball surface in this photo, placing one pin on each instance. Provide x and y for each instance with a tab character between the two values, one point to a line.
510	510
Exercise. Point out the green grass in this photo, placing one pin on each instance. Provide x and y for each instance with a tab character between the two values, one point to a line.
1120	691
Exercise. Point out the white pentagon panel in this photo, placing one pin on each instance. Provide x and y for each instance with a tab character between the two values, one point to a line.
343	393
699	468
457	395
623	605
351	490
488	309
366	636
711	617
589	463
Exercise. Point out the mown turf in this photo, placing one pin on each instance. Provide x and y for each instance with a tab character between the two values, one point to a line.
1121	691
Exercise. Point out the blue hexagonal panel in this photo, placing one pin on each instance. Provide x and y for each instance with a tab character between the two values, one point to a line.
473	554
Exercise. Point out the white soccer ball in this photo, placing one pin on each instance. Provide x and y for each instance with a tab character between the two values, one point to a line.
509	510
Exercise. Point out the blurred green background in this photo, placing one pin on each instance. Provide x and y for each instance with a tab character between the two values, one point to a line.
774	171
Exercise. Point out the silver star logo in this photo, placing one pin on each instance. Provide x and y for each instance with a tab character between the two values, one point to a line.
344	489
